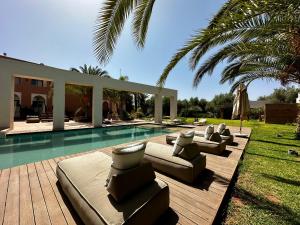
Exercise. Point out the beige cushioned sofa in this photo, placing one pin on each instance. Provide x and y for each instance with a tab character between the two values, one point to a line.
228	139
83	181
162	159
203	144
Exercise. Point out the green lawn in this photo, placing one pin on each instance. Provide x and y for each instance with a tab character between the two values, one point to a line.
268	186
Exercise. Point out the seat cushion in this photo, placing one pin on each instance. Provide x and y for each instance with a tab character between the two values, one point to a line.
228	139
212	147
162	159
82	179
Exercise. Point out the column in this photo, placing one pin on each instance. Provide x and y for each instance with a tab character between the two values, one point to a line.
58	105
97	105
173	107
6	101
158	108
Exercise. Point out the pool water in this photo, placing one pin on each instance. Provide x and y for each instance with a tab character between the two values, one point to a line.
26	148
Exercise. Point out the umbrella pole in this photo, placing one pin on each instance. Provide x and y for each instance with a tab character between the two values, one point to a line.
241	124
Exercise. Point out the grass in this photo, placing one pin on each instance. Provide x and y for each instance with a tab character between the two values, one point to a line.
268	186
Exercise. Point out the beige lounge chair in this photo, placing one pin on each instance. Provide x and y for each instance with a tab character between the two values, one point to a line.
201	122
83	181
32	119
228	139
204	145
162	159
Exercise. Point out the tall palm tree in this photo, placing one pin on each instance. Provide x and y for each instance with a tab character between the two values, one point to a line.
259	38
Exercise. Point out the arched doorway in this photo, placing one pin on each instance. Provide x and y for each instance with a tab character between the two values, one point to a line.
17	106
38	105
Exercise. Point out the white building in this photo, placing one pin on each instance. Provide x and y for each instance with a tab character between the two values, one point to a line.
298	99
11	68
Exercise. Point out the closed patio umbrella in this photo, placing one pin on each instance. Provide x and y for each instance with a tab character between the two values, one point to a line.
241	106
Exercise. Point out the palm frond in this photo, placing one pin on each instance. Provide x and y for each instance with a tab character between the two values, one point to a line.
142	14
109	25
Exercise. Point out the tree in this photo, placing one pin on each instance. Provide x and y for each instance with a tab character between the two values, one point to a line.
221	105
91	70
282	95
202	103
260	39
85	92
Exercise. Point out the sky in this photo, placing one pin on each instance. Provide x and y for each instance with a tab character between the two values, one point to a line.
59	33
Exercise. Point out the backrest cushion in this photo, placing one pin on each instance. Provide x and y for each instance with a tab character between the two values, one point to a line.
189	152
208	131
226	132
221	127
128	156
124	183
215	137
182	140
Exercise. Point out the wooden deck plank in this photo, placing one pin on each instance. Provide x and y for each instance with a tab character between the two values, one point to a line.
188	214
3	192
12	200
39	207
55	212
31	191
26	209
65	206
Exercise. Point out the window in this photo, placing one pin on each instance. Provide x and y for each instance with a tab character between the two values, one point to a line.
37	83
17	81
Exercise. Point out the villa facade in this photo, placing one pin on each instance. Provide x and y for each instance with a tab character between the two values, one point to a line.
11	68
34	97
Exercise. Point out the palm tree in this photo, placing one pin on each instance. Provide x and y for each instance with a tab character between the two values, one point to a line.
84	92
91	70
259	38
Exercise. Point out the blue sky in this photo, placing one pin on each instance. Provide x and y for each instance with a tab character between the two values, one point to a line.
59	33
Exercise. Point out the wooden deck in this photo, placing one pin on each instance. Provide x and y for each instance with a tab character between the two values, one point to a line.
30	194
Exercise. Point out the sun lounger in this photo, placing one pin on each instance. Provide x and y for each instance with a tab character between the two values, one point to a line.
32	119
200	122
162	159
228	139
203	144
83	181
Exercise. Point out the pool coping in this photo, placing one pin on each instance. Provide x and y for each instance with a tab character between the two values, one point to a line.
5	132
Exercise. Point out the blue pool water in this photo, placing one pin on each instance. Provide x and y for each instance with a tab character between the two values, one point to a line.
26	148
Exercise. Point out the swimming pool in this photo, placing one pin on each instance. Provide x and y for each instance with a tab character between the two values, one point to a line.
26	148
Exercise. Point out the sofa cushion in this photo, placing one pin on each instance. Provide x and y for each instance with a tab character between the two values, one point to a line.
82	180
221	127
163	160
189	152
128	156
208	131
225	132
203	144
182	140
124	183
215	137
